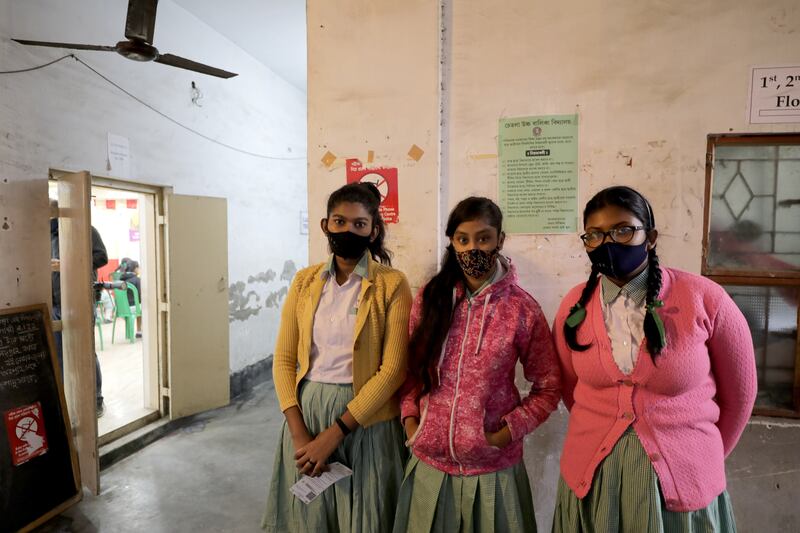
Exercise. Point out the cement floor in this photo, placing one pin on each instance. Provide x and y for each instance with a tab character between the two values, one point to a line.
212	475
209	476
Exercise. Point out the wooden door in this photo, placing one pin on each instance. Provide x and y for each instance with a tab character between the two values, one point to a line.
77	310
197	323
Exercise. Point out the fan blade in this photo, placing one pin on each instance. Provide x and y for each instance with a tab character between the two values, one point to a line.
141	21
68	45
180	62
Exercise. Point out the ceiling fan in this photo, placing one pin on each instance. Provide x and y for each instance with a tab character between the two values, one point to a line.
139	28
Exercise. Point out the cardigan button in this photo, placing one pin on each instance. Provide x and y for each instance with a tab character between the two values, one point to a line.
628	382
655	457
583	483
628	416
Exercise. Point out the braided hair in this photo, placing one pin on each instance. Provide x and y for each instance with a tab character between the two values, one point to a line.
632	201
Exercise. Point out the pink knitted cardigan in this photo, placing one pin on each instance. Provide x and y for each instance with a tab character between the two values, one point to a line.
688	407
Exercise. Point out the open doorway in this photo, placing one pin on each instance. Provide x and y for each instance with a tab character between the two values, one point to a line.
184	305
125	336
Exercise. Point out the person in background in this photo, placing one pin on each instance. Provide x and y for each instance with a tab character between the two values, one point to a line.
99	259
659	377
129	273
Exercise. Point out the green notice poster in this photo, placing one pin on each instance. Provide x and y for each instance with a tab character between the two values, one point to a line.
538	163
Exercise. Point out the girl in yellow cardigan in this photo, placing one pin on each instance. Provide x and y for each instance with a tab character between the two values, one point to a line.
339	359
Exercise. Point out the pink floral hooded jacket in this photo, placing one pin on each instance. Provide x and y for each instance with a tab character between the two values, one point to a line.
476	394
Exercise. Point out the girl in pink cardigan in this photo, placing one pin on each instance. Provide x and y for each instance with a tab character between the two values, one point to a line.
658	373
463	414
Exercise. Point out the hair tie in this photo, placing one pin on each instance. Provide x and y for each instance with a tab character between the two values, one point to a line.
577	314
651	310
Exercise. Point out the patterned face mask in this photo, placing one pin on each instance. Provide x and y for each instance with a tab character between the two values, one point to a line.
477	263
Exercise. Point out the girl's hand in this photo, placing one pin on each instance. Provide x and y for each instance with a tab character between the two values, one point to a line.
297	427
301	439
499	439
410	424
312	458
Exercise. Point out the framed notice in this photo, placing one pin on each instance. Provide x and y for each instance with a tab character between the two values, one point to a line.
538	166
774	96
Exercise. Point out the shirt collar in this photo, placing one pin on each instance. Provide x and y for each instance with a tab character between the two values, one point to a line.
636	288
361	269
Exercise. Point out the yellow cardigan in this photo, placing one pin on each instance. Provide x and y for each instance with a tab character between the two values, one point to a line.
379	348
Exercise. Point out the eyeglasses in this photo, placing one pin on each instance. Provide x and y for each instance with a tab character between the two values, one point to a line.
621	234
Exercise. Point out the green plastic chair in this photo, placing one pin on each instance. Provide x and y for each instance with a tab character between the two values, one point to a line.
124	310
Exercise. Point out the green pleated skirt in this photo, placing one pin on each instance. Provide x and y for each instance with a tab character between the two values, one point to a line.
626	497
362	503
431	500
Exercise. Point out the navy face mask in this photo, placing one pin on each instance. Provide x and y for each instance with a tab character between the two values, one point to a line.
618	260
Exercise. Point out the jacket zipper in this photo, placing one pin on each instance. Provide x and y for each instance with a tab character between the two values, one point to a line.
455	394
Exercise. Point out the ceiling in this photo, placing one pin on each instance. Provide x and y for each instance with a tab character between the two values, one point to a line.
272	31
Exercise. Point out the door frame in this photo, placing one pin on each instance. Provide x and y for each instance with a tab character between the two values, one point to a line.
158	394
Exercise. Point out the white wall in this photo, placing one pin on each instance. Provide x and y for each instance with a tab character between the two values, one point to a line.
373	85
650	80
59	117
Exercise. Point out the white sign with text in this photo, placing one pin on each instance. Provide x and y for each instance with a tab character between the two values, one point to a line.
774	95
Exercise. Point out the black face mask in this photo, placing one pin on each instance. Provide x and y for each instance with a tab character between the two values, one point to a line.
618	260
347	244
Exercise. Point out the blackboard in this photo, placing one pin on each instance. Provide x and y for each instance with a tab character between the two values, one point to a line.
39	475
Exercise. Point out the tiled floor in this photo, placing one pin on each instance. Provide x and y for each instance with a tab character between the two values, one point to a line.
123	378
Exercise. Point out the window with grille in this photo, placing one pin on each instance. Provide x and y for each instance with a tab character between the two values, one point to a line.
752	248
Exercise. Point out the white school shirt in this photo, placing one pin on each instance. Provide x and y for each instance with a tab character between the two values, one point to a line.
335	324
623	313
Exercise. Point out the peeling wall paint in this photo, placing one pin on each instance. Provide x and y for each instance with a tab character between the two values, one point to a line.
246	298
289	270
263	277
59	117
240	308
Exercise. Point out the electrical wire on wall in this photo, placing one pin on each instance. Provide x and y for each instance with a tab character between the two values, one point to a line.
164	115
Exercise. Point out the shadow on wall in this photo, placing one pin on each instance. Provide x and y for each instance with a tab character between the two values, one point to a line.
248	299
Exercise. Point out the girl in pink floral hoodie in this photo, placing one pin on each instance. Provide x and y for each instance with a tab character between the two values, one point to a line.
463	414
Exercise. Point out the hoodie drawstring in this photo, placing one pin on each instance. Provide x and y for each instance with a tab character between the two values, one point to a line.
483	322
444	343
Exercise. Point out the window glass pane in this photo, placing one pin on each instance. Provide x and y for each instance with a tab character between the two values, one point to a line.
771	313
755	208
789	152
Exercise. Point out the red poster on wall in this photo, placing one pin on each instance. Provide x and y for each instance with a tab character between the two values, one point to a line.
26	435
385	179
131	203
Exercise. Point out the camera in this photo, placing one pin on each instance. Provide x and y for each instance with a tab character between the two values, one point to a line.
100	285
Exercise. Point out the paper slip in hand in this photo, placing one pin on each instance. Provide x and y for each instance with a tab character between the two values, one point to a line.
309	488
